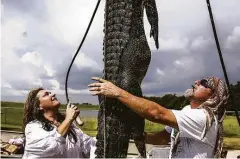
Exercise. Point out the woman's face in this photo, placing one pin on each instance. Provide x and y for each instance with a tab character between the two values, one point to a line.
47	100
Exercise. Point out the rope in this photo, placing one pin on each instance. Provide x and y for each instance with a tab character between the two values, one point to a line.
83	39
104	100
221	58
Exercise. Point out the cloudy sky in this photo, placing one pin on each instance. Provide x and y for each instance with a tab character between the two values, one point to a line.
39	38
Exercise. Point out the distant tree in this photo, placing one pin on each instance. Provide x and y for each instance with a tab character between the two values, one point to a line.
86	104
171	101
236	96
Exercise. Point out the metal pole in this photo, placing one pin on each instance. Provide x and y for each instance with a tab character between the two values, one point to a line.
221	58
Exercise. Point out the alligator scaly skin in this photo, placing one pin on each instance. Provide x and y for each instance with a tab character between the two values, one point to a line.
126	57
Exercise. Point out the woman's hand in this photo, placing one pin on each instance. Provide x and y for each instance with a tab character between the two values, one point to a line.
104	88
72	112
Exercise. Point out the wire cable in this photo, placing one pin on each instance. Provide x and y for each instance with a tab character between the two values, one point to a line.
75	55
221	58
83	39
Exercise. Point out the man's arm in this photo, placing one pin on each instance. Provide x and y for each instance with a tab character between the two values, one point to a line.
148	109
145	108
158	138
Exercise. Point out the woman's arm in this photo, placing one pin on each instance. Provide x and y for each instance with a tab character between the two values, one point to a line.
71	113
64	126
145	108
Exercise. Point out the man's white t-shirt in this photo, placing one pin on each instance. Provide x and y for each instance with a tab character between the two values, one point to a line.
191	123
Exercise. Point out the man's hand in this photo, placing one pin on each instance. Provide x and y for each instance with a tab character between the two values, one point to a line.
104	88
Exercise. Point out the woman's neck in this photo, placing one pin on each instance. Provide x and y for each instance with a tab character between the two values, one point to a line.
50	116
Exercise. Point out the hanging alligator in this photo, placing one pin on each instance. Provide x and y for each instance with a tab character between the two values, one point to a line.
126	60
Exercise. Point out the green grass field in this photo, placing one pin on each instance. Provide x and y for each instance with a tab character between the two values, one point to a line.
11	119
20	105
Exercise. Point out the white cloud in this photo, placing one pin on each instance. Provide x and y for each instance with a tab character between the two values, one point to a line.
11	92
187	47
177	63
49	70
68	20
82	60
233	40
83	91
55	84
33	58
231	52
176	44
200	43
12	34
160	72
23	72
71	92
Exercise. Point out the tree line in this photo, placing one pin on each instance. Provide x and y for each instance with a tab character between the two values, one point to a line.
172	101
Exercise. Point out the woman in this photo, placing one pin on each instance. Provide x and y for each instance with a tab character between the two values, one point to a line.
50	134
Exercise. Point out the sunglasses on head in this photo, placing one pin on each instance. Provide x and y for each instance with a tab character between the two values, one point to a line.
204	83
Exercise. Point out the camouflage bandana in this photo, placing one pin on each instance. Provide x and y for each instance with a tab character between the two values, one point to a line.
216	107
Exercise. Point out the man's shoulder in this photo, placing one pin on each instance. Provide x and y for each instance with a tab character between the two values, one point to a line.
194	114
187	107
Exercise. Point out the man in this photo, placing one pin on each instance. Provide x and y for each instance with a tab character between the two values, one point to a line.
196	131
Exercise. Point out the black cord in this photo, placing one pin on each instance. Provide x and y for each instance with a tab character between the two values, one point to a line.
221	58
66	81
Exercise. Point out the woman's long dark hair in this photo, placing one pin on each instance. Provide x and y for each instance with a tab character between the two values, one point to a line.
32	112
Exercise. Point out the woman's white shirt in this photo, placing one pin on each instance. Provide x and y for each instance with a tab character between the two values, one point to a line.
41	143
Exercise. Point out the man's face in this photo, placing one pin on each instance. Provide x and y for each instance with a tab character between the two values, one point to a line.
199	92
47	100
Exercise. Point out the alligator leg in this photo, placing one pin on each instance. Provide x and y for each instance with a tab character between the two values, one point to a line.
136	59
